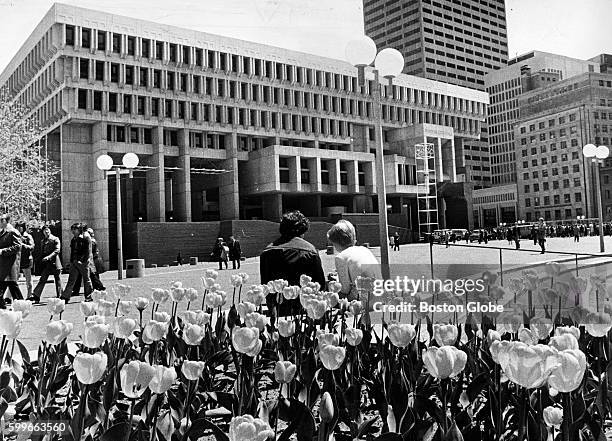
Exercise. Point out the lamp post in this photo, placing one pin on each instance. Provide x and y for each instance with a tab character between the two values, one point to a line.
388	64
597	156
129	163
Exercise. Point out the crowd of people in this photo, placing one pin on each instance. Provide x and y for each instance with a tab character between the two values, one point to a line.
16	257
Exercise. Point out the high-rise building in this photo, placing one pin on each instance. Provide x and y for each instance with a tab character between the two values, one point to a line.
505	86
452	41
554	180
226	130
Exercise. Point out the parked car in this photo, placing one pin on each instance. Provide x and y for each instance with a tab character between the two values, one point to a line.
438	235
475	235
459	233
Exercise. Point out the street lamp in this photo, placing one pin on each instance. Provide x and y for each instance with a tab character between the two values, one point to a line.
388	63
597	155
129	163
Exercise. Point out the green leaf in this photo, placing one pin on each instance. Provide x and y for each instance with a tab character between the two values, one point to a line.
453	434
365	427
389	436
302	421
25	355
118	432
199	428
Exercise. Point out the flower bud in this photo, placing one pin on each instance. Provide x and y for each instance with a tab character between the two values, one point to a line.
401	334
326	408
445	335
135	377
284	372
23	306
10	323
444	362
124	326
286	328
246	341
353	336
88	308
332	356
89	368
192	370
248	428
94	334
163	378
57	331
141	303
56	306
553	416
193	334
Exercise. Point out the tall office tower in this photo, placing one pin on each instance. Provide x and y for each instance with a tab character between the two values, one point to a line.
452	41
523	73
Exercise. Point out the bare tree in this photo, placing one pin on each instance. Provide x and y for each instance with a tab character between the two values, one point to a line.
27	177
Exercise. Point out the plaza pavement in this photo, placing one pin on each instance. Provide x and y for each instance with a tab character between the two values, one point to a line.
34	325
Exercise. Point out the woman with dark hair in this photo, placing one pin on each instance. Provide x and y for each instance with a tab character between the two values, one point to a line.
289	257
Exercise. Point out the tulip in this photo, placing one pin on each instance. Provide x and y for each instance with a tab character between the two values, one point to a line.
528	366
497	347
445	335
94	334
10	323
163	317
208	282
89	368
280	285
275	336
255	295
527	336
88	308
598	324
123	327
23	306
401	334
256	320
332	299
245	308
567	374
541	327
248	428
125	307
246	341
510	322
160	296
553	416
211	273
332	356
334	286
492	336
355	307
192	370
244	277
105	308
326	338
291	292
315	309
154	331
58	330
178	294
200	318
122	290
214	299
305	280
135	377
353	336
326	408
284	372
193	334
444	362
141	303
192	295
56	306
286	328
236	280
568	330
563	342
163	379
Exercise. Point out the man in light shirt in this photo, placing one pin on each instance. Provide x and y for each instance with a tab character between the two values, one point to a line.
352	261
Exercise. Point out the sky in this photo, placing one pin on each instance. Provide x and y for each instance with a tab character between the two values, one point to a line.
575	28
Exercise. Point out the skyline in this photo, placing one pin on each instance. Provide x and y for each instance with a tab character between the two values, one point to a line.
310	25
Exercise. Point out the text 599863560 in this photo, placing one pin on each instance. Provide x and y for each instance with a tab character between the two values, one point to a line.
56	427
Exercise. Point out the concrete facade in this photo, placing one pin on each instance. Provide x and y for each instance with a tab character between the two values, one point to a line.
224	129
495	205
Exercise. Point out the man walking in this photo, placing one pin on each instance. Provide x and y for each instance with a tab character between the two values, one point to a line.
396	241
235	253
81	262
10	257
541	234
51	265
27	246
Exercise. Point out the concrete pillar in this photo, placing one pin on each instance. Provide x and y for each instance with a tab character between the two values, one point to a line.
182	206
228	182
272	206
334	175
438	160
99	196
156	191
295	175
353	176
315	175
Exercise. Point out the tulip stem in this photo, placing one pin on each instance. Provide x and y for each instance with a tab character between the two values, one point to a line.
132	413
280	394
2	348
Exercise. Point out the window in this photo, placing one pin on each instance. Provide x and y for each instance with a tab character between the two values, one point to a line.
82	99
305	171
577	182
556	199
127	103
129	74
69	35
131	45
578	197
84	68
527	187
527	202
567	198
114	73
283	170
101	40
143	73
116	43
97	100
324	173
86	38
566	183
112	102
99	70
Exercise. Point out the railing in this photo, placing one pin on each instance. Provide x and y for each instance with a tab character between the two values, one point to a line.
576	255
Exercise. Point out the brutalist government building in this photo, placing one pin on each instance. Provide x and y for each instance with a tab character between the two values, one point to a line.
229	135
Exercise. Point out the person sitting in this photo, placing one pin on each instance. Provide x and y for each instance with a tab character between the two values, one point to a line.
288	258
352	261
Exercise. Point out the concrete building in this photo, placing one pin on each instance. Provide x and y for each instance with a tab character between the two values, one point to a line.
453	41
225	129
495	205
554	180
505	86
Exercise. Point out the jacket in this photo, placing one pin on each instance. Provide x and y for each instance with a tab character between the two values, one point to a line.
27	245
51	249
10	254
234	250
81	250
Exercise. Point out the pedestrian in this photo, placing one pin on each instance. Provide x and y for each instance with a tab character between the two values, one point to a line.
396	241
179	259
51	264
352	261
10	258
288	258
446	238
235	253
480	236
576	233
81	262
217	252
541	235
27	262
534	235
516	233
485	236
467	237
98	263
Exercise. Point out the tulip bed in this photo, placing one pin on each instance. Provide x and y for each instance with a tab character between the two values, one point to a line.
216	367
